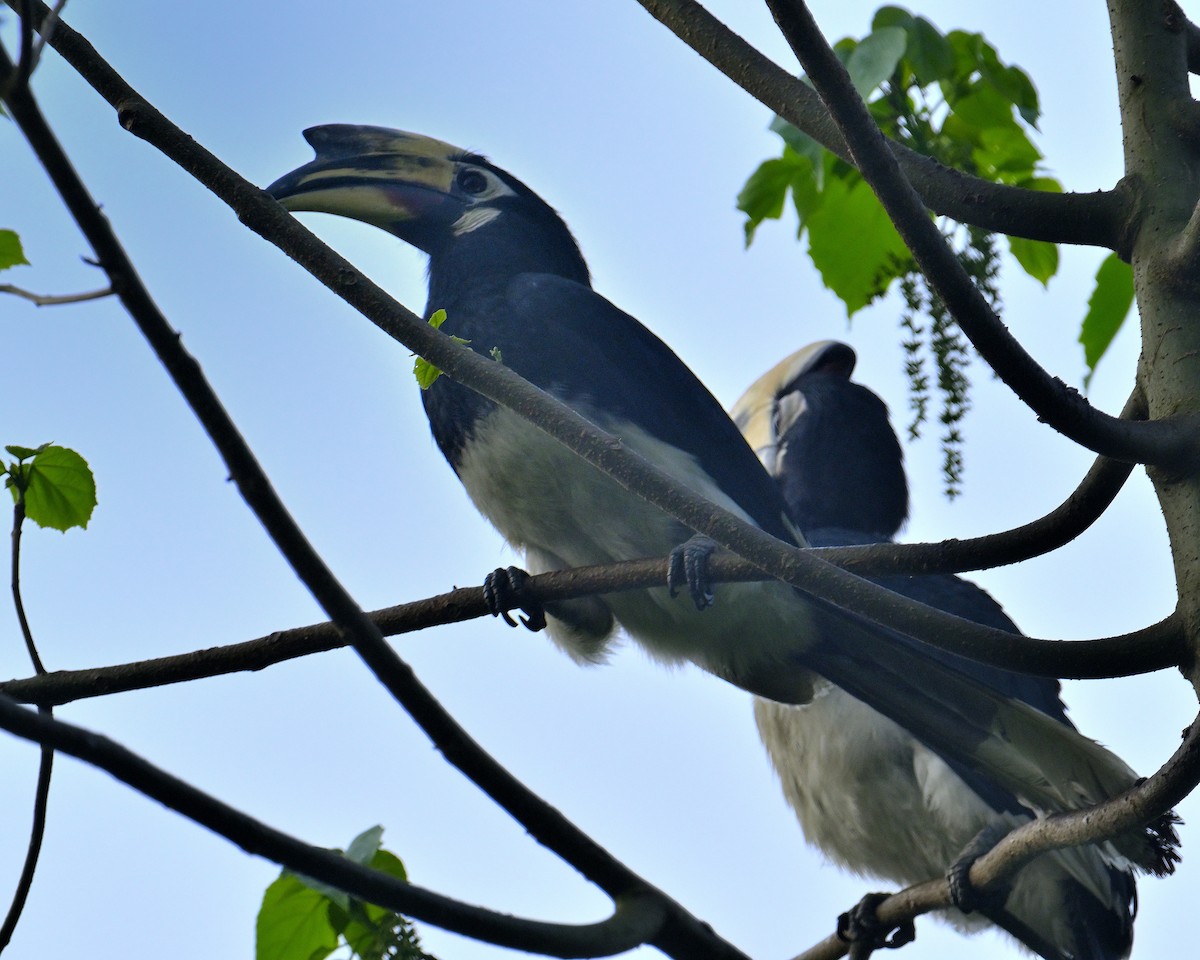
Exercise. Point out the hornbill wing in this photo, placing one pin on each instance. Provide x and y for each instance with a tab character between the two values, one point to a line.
578	346
964	599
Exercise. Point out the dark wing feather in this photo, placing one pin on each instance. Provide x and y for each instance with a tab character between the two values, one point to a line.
577	345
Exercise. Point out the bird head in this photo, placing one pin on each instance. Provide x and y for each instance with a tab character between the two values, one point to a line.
433	195
828	442
775	401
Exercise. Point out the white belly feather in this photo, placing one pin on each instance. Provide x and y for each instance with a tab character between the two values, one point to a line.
564	512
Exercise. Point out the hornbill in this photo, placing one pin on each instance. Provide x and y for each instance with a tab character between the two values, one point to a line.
869	794
513	283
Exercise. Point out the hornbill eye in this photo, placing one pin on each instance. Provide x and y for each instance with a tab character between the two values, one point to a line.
472	182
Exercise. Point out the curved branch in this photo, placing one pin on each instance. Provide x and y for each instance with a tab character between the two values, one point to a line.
1090	219
540	819
1171	442
639	913
1150	800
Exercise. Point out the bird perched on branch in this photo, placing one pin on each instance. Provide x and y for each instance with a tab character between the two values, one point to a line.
868	793
512	282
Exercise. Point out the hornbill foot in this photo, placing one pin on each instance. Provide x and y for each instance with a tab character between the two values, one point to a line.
504	589
962	892
861	928
689	565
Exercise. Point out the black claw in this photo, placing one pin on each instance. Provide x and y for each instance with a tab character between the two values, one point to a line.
860	927
689	565
504	590
962	892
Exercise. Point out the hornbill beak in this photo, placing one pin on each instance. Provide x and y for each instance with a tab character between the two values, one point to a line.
772	404
401	182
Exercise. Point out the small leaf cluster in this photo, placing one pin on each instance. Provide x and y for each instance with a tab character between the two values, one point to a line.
54	485
425	372
949	97
303	919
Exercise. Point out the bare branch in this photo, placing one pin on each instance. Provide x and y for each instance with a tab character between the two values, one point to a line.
1091	219
50	300
639	915
1174	441
1156	647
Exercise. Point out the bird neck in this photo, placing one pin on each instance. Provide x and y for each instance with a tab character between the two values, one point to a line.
490	256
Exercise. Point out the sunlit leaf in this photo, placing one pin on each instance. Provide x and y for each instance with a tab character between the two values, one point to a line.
293	923
425	372
11	252
983	107
853	243
364	847
1108	307
57	485
1036	257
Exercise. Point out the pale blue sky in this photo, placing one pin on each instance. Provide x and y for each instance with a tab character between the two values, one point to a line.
642	147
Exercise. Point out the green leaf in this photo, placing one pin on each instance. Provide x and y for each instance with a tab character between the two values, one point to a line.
984	107
293	922
1012	82
425	372
57	486
798	140
1005	154
1038	258
1108	307
928	53
763	196
11	252
853	243
875	58
364	847
888	16
387	862
1044	184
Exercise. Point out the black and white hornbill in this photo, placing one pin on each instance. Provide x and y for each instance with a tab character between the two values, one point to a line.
511	280
870	795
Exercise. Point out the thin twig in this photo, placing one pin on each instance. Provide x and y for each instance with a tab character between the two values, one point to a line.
51	300
41	793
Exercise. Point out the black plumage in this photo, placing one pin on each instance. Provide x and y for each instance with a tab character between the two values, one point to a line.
833	452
